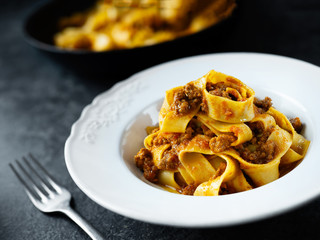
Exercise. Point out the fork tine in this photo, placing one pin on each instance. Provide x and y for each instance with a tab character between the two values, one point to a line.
34	184
42	182
26	187
46	174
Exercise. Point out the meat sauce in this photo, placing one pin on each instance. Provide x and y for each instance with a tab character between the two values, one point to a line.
259	150
220	89
178	142
145	163
187	99
263	105
296	123
221	142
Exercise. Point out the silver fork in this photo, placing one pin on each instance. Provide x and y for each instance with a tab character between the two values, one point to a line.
47	195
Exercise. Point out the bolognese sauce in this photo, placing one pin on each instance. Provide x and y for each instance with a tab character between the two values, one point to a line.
187	99
259	150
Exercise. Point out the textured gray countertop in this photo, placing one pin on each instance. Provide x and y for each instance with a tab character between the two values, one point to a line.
39	101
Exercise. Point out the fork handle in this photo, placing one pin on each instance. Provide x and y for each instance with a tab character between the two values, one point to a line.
93	233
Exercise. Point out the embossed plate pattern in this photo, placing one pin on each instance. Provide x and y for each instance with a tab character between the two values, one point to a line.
99	151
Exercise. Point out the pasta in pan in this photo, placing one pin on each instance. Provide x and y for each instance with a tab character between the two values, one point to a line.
215	137
125	24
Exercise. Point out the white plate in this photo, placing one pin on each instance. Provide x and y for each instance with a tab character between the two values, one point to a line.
99	152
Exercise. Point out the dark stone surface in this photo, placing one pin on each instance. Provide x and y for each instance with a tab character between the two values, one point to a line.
39	101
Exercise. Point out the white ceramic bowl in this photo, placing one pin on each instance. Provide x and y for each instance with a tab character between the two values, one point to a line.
99	152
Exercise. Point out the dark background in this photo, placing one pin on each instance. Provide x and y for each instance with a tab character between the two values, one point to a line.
40	99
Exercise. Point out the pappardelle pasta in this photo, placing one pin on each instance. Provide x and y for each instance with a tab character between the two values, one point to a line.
215	137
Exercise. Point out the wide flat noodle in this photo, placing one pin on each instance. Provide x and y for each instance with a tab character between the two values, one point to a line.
195	165
240	130
299	144
231	176
166	178
148	141
169	120
227	110
157	154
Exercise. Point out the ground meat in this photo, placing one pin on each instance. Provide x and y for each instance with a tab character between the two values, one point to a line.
263	105
207	132
170	160
257	128
144	162
259	150
192	92
195	126
190	189
187	99
220	89
204	106
296	123
141	156
190	132
258	154
175	139
221	142
167	138
162	139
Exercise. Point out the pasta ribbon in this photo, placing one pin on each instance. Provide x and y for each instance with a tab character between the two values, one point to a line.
197	166
169	120
299	146
228	173
239	130
148	141
228	99
166	178
194	163
157	154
